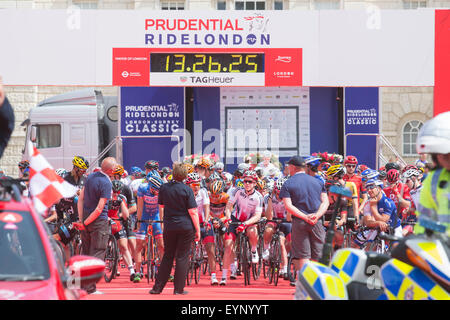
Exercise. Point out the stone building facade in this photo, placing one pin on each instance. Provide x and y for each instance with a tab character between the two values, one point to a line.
404	109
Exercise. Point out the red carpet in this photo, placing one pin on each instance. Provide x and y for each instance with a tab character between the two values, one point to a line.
121	288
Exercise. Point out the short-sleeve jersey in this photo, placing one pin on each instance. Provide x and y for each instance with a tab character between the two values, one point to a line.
202	199
246	205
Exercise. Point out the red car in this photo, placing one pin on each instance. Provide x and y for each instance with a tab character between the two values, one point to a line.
30	268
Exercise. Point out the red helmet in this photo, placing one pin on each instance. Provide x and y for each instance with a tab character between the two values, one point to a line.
250	174
351	160
392	176
362	167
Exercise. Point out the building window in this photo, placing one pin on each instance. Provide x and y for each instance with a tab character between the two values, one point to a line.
414	4
410	131
327	4
172	5
278	5
250	5
221	5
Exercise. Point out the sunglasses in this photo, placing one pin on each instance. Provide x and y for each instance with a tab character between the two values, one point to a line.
195	184
248	181
371	187
350	166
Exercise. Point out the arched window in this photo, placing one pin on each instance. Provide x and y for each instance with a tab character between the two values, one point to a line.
410	131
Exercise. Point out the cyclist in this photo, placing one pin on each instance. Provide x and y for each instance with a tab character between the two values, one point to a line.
398	192
337	173
117	209
206	229
276	209
147	209
228	179
77	178
381	213
312	168
164	173
412	174
132	210
151	166
350	163
203	168
218	167
138	177
24	164
249	205
434	139
218	200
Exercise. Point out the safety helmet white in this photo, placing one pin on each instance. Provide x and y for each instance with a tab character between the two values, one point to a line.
434	136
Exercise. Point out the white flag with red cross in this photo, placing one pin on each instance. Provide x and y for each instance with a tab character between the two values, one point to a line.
45	186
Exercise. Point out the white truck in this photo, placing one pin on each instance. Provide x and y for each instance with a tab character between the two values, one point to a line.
83	123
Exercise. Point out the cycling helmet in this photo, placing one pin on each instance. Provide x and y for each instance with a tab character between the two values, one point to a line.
204	163
165	171
392	165
119	170
80	162
351	160
117	186
409	167
190	167
361	168
61	172
213	177
336	171
260	185
312	162
324	166
217	187
372	182
434	136
192	178
24	164
279	183
369	174
411	172
136	171
250	174
392	176
219	166
227	177
382	174
154	181
151	165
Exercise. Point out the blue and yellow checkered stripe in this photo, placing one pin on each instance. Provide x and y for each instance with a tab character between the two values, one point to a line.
405	282
344	264
324	281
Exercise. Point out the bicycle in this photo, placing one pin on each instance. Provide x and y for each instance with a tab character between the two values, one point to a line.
196	261
111	254
274	261
256	268
243	254
150	258
218	238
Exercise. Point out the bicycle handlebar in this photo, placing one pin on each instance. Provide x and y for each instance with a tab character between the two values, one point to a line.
385	236
150	221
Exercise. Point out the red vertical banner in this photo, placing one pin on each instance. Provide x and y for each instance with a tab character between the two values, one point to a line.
131	67
442	62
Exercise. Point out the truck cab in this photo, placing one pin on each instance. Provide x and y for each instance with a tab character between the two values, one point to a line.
81	123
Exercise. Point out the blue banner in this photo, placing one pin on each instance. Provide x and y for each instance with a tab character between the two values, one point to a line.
361	116
148	117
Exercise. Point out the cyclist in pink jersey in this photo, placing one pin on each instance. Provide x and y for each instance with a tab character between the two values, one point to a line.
248	203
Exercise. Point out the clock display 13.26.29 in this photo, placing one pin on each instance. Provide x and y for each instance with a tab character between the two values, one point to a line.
207	62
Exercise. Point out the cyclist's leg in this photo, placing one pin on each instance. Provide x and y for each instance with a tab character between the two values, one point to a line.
158	234
140	243
268	233
209	243
228	255
252	234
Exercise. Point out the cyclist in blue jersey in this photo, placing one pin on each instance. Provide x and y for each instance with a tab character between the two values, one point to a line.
380	212
312	168
148	209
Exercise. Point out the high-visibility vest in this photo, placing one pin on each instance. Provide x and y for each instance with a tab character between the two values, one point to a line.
435	199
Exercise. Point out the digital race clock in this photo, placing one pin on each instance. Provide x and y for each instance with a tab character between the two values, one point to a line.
207	62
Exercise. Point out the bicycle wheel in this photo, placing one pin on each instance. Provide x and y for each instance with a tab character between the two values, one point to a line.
246	260
276	252
148	261
291	269
219	251
199	258
111	258
256	267
59	252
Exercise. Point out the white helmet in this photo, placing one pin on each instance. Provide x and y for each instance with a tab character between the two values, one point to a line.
434	136
61	172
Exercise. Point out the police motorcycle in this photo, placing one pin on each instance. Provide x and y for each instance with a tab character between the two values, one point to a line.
417	268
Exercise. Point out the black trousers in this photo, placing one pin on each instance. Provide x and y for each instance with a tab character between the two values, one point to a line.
176	247
93	243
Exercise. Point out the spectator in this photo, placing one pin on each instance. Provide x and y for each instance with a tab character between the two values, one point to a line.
266	165
181	225
93	212
6	119
307	201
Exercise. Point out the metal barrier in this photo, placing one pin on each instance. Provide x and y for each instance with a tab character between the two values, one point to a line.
380	141
118	143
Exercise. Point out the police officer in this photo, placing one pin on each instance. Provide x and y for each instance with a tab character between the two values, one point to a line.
434	138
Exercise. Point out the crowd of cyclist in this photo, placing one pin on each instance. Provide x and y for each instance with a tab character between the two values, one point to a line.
382	200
